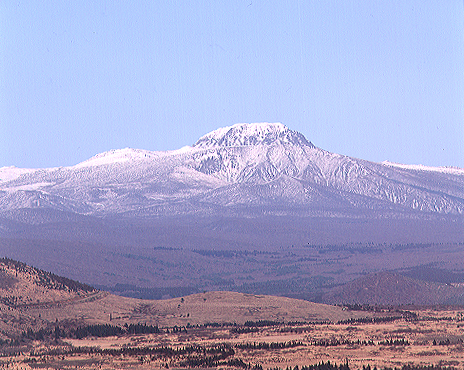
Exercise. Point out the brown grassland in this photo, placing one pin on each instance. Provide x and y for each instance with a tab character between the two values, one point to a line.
391	338
49	322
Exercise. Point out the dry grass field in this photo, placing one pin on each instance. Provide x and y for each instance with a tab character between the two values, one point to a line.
429	337
49	322
263	337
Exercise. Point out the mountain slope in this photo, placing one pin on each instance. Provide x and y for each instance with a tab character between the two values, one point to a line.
386	288
33	299
266	168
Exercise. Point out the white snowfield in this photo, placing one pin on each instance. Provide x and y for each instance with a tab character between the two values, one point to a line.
11	173
252	169
421	167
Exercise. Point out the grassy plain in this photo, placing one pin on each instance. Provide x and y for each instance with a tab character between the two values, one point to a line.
391	338
50	322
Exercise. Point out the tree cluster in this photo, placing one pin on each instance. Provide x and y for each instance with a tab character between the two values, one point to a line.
97	330
320	366
338	342
394	342
269	345
367	320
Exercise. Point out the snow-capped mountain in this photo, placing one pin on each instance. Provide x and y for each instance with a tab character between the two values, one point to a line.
251	134
246	169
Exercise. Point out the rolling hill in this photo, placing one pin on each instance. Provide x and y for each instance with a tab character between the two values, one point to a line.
34	299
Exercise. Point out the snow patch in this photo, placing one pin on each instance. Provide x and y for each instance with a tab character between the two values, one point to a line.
12	173
117	156
421	167
29	187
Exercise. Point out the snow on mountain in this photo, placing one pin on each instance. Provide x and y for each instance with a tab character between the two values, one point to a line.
421	167
243	134
11	173
116	156
253	168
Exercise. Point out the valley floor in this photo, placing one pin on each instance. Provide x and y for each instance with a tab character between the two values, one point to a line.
397	338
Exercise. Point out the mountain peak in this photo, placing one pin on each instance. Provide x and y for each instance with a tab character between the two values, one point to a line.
247	134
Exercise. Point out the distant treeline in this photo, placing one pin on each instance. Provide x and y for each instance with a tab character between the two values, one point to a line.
262	323
97	330
106	330
111	330
371	247
361	249
320	366
219	355
401	247
345	366
341	342
374	320
220	351
229	253
269	345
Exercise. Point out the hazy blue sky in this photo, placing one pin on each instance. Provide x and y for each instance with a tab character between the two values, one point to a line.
378	80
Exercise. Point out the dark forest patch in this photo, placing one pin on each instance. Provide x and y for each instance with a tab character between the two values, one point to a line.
428	273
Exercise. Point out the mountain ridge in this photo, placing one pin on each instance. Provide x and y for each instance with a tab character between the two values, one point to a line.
129	208
266	167
218	139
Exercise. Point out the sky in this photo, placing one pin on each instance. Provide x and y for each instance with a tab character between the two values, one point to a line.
377	80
